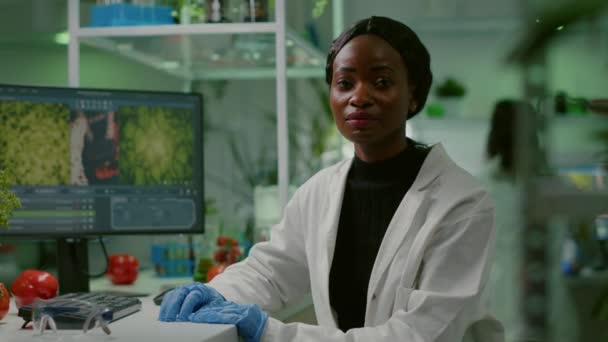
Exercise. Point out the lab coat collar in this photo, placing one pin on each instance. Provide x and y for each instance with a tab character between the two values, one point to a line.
409	211
434	164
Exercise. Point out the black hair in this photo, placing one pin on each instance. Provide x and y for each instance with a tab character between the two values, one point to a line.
501	139
415	56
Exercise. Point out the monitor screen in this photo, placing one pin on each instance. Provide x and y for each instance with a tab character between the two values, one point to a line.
89	162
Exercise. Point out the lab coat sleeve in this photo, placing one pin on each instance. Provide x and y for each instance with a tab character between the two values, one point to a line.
276	271
445	303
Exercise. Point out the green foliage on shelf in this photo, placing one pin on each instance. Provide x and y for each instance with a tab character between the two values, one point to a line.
450	88
602	136
8	200
600	309
319	8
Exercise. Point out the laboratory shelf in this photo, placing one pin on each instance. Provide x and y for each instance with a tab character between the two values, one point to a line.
556	198
459	25
178	29
202	56
490	25
597	278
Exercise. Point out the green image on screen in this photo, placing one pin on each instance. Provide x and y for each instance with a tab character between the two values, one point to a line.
35	142
155	145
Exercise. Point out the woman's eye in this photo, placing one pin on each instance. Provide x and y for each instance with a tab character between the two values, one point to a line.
383	83
343	84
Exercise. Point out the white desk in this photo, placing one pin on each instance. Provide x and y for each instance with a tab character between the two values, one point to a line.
141	326
148	282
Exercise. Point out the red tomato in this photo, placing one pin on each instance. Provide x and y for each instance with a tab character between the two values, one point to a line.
4	301
220	256
215	270
226	241
222	240
234	254
31	284
122	269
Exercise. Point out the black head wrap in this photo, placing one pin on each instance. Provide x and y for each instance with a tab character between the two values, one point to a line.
398	35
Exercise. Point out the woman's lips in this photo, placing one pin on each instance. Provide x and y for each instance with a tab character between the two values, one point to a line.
359	120
360	123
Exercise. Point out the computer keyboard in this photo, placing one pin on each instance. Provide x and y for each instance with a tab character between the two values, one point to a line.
119	307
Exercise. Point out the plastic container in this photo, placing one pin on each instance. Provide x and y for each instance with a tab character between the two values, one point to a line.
130	15
255	10
174	259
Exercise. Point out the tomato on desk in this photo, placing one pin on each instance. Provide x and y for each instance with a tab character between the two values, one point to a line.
4	301
122	269
31	284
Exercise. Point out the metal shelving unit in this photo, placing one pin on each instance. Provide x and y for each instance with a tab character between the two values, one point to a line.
555	199
176	50
544	199
105	35
216	56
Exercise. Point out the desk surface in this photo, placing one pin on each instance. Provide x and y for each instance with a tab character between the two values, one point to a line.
148	282
141	326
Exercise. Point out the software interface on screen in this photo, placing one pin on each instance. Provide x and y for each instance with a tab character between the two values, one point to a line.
101	161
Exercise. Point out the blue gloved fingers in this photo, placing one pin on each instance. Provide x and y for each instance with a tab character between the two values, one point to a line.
213	315
249	319
173	301
171	304
211	293
193	301
252	328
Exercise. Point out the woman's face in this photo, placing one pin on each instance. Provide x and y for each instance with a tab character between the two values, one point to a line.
370	95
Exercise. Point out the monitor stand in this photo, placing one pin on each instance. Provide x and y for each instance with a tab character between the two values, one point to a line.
72	265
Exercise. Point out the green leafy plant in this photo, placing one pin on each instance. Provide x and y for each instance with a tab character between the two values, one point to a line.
602	136
450	88
319	8
8	200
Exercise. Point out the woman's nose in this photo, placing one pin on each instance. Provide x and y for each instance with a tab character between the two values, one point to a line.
360	97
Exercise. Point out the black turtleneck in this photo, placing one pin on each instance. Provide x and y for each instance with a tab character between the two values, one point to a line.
372	194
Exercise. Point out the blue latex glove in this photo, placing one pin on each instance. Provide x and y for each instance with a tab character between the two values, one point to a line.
249	319
179	303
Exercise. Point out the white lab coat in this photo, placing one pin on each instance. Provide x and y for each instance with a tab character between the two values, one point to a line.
427	280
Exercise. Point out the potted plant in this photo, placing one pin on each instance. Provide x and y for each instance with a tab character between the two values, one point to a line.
8	200
256	165
450	94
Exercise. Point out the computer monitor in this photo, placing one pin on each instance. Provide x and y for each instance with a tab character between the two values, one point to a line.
93	162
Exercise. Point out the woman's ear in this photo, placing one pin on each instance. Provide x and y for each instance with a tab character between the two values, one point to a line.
413	106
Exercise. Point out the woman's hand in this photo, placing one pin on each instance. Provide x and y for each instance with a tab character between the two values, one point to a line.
249	319
179	303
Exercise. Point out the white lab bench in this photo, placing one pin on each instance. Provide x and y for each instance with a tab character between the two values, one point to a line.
140	326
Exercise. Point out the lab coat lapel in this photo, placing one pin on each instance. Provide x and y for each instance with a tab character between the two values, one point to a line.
329	230
404	222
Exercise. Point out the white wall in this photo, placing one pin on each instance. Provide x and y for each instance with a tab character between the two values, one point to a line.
470	39
471	50
45	64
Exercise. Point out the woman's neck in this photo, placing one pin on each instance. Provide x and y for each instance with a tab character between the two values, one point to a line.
376	153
